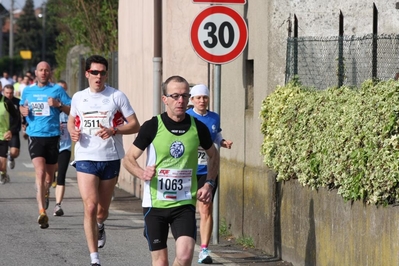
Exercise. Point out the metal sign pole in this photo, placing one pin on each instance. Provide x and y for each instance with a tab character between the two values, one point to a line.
216	108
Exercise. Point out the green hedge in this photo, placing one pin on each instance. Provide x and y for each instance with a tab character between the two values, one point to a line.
339	138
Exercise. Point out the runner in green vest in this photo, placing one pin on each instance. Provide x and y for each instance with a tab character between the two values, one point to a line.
170	183
7	111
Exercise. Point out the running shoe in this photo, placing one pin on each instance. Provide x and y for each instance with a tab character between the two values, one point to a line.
10	162
47	199
101	237
95	264
4	178
43	220
204	256
58	210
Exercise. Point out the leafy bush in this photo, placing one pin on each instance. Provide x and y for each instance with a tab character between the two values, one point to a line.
344	138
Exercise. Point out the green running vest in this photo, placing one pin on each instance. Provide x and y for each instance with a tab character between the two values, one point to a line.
176	157
4	118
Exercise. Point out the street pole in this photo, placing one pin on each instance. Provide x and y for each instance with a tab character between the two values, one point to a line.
216	106
44	31
1	35
11	49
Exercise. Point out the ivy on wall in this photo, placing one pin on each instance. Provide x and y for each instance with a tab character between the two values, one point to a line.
339	138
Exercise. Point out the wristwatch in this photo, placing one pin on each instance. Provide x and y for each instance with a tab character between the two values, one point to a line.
210	182
59	107
115	129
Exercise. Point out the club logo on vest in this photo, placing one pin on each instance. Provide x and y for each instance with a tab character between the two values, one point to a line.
176	149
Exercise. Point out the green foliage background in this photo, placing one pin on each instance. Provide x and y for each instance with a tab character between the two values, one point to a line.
344	138
67	23
93	23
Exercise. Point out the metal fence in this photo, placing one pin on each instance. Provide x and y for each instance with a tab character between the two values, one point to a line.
333	61
324	62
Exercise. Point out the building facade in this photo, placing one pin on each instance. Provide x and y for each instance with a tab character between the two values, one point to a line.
286	220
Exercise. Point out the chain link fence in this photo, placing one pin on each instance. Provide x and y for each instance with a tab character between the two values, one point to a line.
324	62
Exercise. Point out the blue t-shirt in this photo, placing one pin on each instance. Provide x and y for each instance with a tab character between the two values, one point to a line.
65	138
43	120
212	121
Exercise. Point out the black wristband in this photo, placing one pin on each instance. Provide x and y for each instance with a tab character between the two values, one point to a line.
210	182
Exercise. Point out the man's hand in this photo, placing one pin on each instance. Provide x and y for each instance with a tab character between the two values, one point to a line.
7	136
226	144
204	194
24	110
105	132
149	173
53	102
75	134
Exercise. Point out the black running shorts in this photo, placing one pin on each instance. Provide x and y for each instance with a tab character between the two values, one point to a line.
157	221
46	147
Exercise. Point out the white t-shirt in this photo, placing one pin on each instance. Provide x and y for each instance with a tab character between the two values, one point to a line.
8	81
108	108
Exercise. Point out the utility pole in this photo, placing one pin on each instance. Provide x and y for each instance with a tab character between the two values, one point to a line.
11	50
3	14
44	32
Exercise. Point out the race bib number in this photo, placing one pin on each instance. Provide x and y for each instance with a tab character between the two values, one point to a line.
202	157
174	184
40	108
91	122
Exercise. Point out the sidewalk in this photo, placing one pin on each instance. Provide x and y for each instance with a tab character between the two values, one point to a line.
224	253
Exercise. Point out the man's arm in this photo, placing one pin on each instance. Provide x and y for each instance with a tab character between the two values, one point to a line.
132	126
65	108
131	165
14	122
204	194
213	162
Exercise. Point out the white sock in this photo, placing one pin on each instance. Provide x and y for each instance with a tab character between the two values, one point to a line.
95	258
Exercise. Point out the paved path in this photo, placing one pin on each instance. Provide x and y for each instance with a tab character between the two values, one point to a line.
22	242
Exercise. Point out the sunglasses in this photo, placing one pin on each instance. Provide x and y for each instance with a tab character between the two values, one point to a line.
176	96
96	72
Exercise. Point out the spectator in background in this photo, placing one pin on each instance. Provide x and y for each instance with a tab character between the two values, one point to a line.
30	76
16	85
5	80
25	82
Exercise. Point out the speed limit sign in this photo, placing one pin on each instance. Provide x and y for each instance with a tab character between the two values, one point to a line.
219	34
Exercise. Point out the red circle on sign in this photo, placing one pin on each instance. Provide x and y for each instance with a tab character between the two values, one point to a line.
237	50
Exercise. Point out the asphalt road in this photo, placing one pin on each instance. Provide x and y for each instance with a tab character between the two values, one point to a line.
22	242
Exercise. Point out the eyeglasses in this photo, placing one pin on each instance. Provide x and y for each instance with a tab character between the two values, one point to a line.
96	72
176	96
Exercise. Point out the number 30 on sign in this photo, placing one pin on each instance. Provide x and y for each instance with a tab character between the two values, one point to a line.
219	34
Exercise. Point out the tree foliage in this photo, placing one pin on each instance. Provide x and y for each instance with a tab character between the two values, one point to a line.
29	32
93	23
66	23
